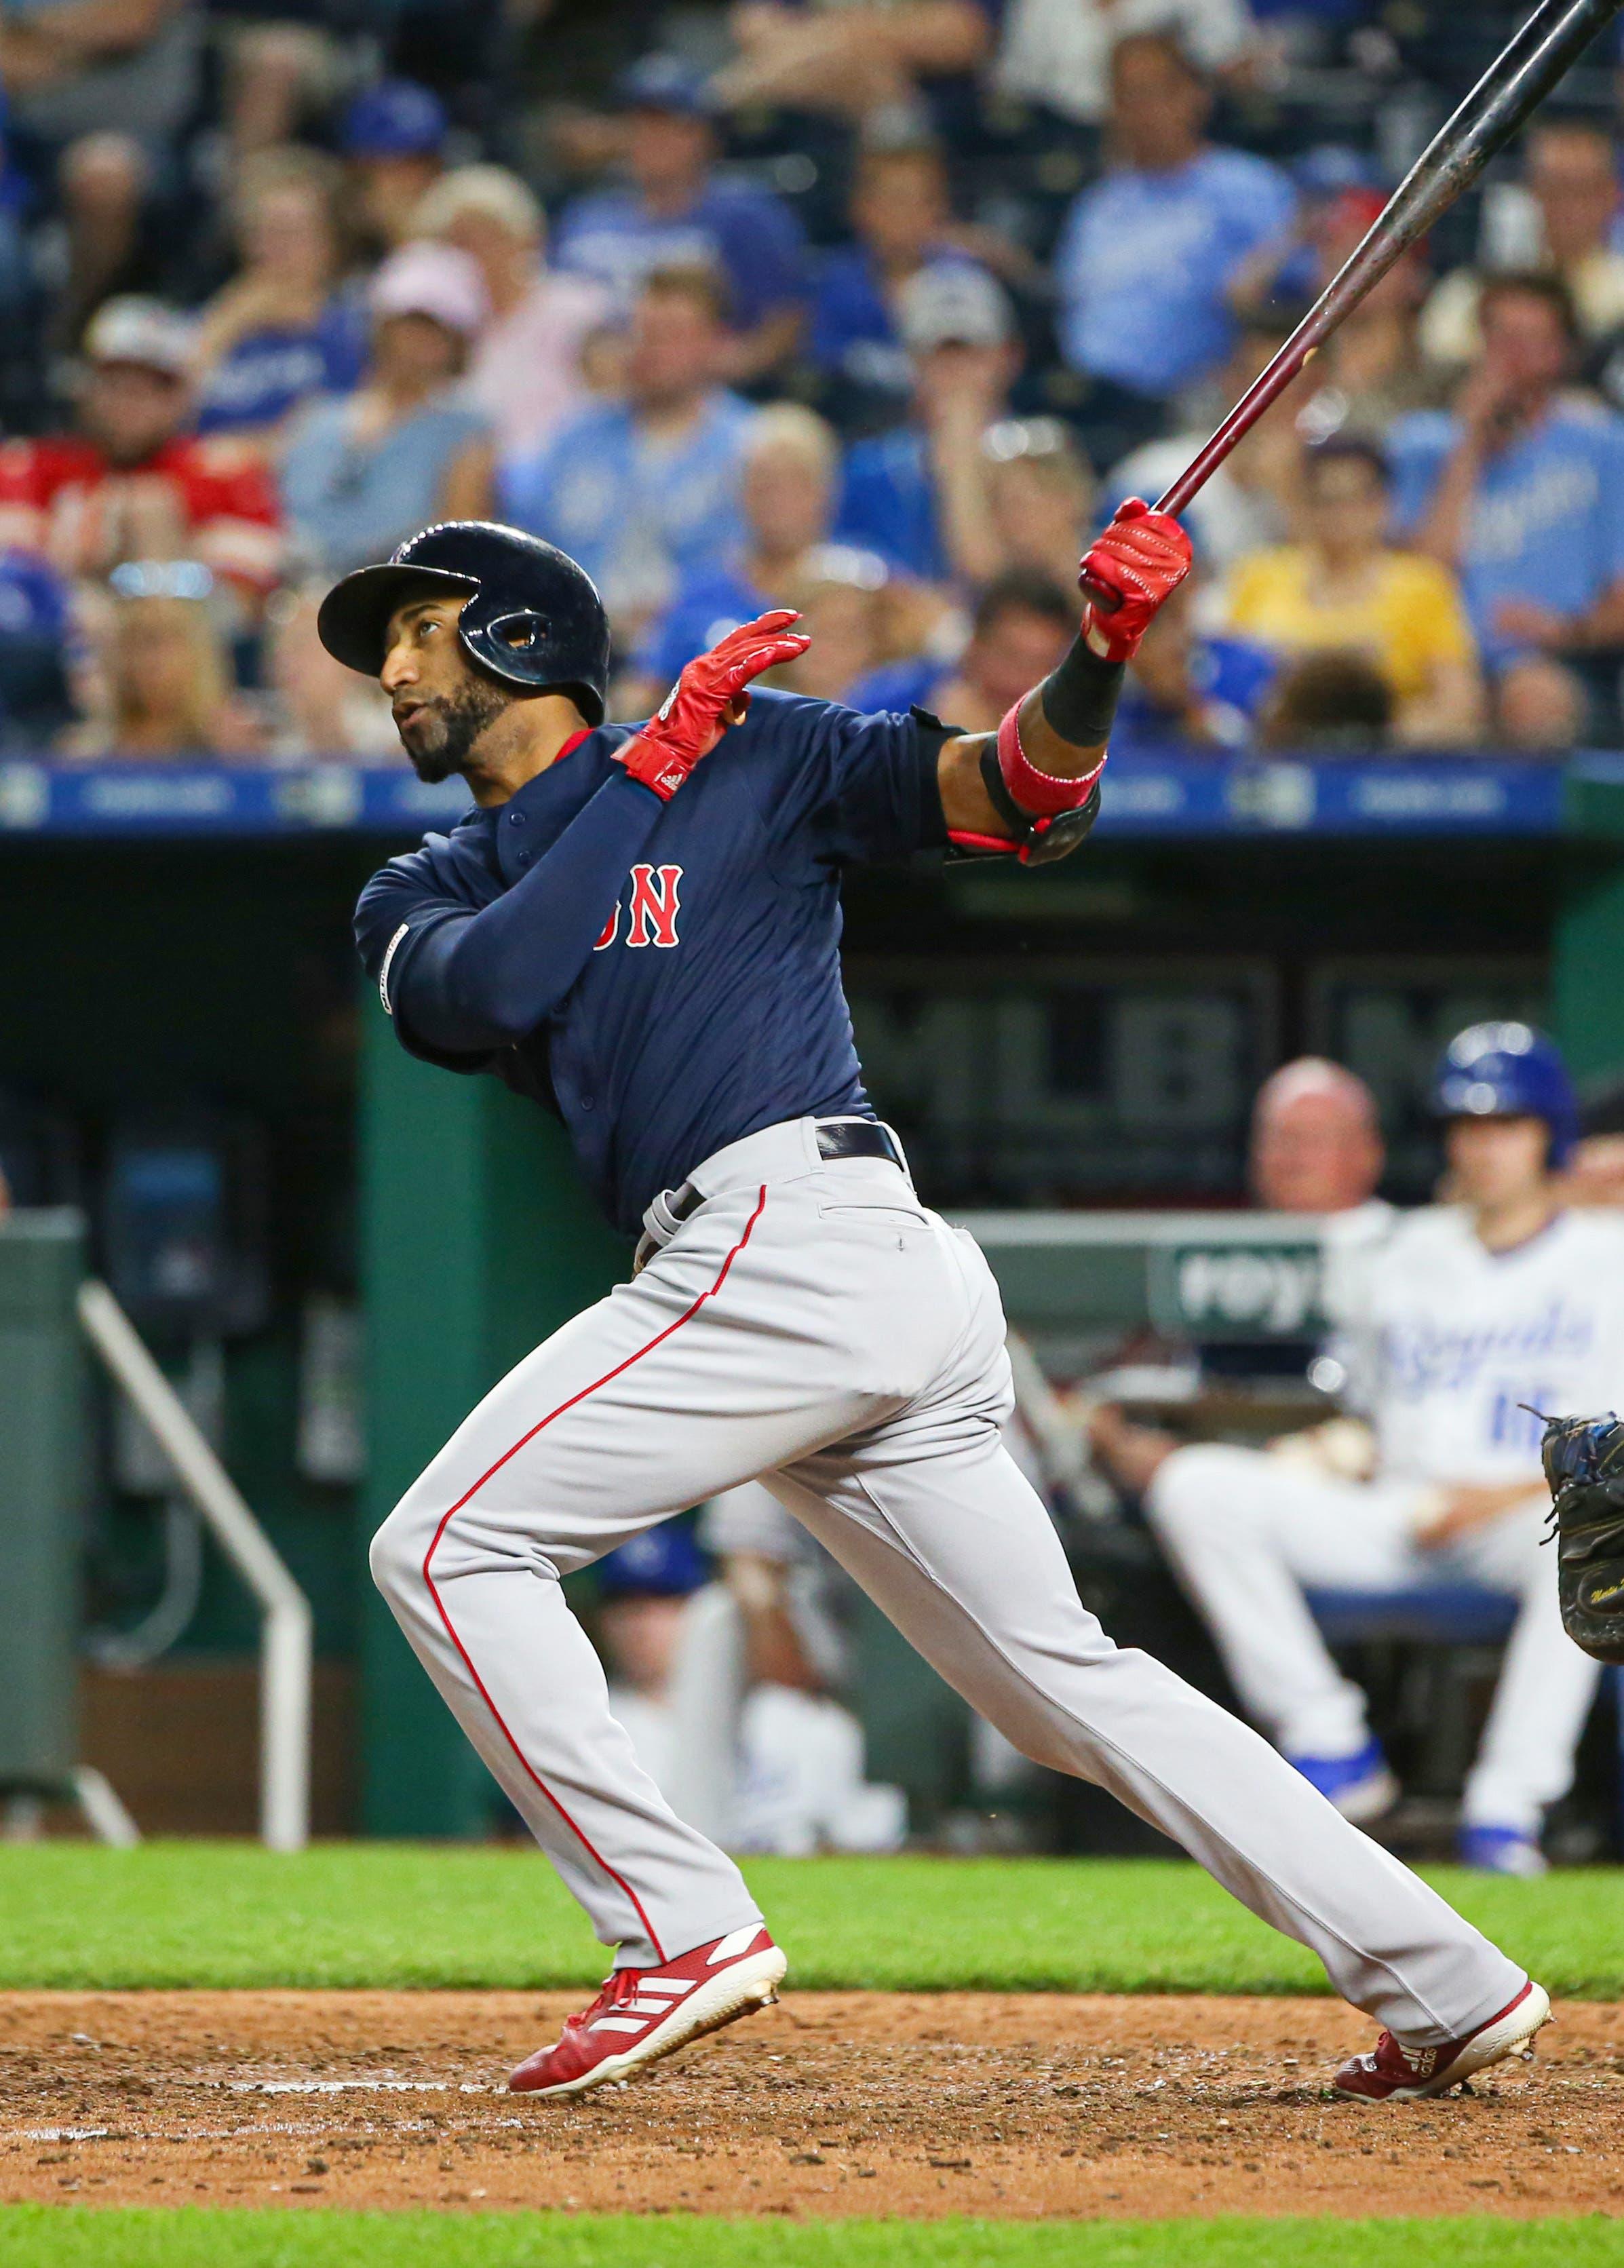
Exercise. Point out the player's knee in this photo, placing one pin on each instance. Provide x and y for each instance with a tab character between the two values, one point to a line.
1202	1486
395	1555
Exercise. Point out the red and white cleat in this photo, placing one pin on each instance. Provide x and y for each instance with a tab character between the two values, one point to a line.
644	2013
1396	2074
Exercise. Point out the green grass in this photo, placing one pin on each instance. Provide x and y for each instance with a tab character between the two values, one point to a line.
58	2236
415	1915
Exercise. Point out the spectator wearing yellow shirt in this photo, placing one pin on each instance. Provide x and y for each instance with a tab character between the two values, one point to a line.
1346	589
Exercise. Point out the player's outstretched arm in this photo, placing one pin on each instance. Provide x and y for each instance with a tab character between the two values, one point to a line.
467	982
1034	787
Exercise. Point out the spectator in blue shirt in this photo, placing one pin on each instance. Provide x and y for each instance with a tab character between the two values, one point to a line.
675	211
900	219
1520	490
646	490
916	495
283	330
1149	251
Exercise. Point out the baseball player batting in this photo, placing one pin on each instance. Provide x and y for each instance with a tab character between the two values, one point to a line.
639	927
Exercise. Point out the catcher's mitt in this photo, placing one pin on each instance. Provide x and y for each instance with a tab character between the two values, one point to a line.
1584	1460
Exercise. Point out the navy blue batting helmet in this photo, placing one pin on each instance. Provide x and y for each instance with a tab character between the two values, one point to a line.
1509	1071
534	618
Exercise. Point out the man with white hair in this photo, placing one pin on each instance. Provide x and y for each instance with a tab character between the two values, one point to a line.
1317	1147
526	371
1316	1141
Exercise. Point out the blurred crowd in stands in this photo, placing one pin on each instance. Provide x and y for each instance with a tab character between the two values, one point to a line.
872	307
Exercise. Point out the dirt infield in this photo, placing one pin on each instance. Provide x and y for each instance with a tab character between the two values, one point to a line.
833	2103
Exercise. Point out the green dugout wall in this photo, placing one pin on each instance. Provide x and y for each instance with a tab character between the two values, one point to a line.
477	1240
1587	956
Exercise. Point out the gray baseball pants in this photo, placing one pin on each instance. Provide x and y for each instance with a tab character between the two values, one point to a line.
812	1324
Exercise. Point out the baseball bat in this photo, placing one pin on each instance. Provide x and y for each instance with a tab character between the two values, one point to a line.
1514	86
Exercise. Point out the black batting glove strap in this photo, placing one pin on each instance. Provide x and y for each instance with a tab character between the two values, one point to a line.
1080	697
1039	841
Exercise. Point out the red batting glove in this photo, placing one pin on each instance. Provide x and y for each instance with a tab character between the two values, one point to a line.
1143	557
708	698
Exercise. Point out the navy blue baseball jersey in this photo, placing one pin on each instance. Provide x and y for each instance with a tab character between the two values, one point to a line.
665	975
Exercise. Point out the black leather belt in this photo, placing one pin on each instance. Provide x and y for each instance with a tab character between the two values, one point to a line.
858	1137
837	1137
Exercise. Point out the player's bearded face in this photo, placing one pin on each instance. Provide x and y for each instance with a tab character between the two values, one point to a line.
438	731
440	703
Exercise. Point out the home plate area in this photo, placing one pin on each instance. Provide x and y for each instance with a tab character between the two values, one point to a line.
831	2103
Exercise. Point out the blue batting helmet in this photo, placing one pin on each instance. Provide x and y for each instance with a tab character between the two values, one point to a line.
1509	1071
534	620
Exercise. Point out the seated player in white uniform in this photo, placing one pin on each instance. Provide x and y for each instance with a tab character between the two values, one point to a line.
1472	1311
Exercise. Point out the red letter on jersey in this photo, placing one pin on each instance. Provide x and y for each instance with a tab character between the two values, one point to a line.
611	929
653	906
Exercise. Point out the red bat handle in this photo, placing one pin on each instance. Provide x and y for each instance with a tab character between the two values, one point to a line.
1265	390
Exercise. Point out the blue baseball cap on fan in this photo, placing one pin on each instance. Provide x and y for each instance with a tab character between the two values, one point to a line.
664	1563
396	118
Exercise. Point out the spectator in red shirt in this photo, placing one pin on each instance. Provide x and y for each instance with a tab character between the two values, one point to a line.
132	482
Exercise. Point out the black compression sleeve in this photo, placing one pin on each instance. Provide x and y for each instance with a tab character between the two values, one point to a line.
1080	697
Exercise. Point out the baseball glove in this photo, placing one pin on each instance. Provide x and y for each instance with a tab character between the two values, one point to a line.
1584	1460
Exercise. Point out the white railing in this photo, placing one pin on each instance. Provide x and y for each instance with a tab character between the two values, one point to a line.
285	1635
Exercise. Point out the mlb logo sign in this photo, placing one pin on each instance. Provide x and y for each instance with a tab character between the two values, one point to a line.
651	914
